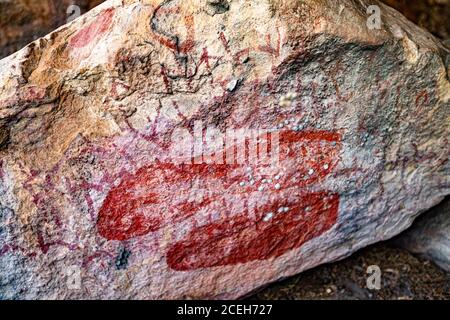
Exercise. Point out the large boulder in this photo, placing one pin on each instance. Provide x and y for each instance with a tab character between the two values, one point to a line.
202	149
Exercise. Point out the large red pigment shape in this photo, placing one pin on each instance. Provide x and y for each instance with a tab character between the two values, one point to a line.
161	194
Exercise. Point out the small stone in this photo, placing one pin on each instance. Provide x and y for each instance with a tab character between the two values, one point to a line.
232	85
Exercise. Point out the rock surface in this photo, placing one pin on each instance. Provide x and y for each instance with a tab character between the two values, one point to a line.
123	172
430	236
22	21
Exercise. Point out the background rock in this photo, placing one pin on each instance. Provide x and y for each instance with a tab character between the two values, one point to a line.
87	115
430	236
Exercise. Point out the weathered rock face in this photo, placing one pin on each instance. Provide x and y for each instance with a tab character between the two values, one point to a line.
202	149
430	235
22	21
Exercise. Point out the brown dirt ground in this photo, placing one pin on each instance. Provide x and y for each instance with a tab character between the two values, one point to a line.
404	277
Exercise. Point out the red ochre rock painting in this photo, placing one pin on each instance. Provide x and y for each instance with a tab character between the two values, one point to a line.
86	35
172	42
161	194
242	240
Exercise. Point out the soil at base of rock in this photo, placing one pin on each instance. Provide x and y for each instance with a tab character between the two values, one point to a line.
404	277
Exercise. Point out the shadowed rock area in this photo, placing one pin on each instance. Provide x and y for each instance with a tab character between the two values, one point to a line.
430	236
432	15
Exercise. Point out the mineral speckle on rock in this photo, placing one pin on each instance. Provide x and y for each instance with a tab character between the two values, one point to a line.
128	168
